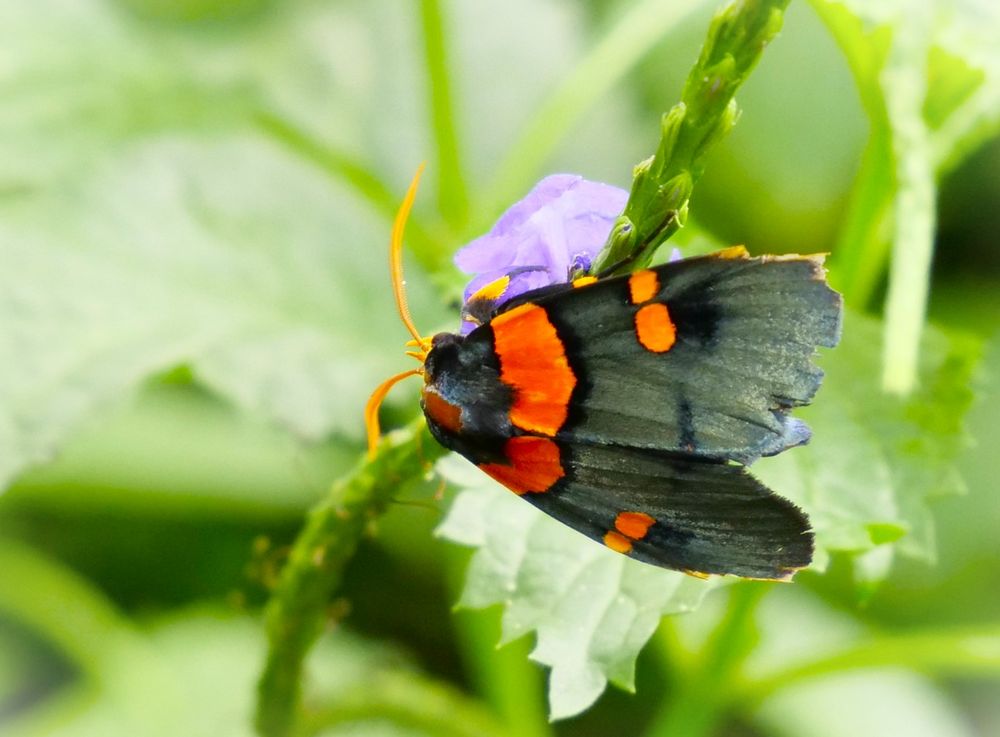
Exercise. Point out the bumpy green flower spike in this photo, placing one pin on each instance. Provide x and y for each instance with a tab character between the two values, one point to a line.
662	185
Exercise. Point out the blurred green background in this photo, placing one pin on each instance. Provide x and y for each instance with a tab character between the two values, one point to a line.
194	303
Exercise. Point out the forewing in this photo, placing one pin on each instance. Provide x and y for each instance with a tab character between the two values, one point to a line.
706	357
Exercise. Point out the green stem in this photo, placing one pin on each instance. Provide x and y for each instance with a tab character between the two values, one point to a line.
662	185
453	200
905	86
297	611
598	72
972	124
896	183
965	652
862	249
343	167
700	699
410	702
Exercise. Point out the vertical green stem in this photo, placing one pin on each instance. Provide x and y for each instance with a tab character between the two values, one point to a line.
341	166
297	611
662	185
905	86
862	248
453	200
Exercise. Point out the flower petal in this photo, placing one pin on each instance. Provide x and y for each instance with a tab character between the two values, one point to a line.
558	227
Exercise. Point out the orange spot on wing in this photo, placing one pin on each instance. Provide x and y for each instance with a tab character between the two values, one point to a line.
634	524
441	411
534	465
643	286
533	363
617	542
584	281
654	328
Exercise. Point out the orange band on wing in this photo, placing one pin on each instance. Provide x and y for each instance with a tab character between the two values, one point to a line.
629	527
634	524
534	465
654	328
533	363
643	286
441	411
618	542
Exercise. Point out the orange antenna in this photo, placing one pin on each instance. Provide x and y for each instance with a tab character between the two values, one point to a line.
375	401
399	292
396	259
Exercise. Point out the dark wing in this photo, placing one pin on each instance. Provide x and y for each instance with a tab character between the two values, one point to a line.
689	514
704	356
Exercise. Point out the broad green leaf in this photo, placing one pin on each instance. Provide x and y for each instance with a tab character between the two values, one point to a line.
874	462
178	448
229	256
591	609
875	459
144	224
80	78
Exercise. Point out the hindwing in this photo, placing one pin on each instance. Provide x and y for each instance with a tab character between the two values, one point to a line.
679	512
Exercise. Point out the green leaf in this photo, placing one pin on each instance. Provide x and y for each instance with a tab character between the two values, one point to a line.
90	77
865	479
143	224
229	257
970	36
875	459
592	610
113	664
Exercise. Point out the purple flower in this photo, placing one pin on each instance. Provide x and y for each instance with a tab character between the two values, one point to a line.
557	229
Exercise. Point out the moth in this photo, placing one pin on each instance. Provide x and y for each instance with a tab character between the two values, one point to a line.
629	407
